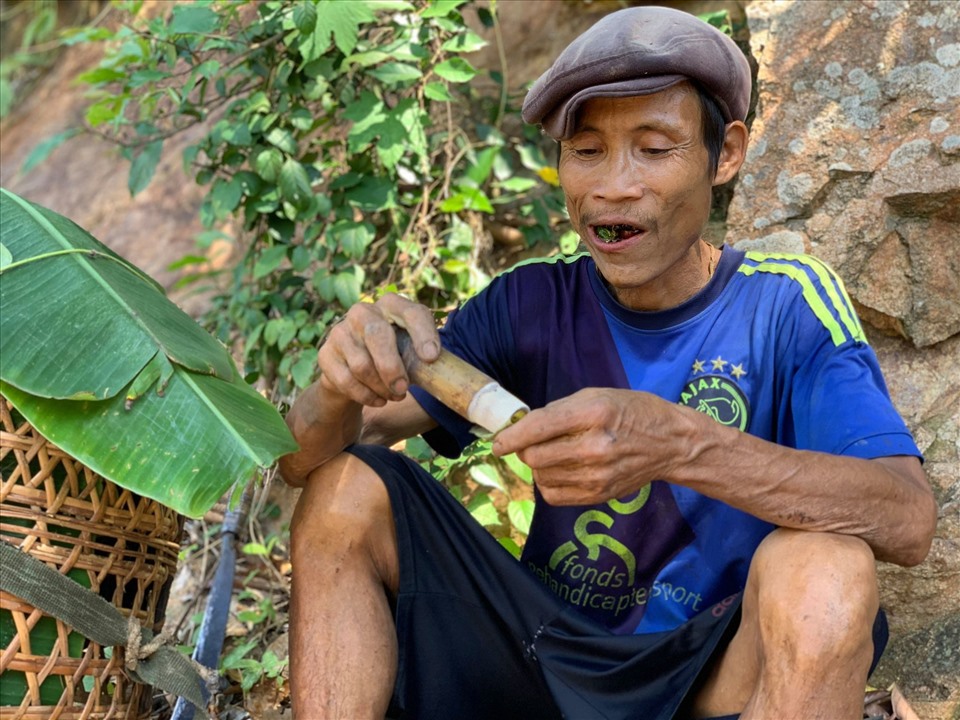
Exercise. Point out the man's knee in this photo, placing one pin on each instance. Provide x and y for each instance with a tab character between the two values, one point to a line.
345	510
816	594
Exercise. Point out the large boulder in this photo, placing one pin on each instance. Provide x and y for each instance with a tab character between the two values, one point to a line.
855	157
856	152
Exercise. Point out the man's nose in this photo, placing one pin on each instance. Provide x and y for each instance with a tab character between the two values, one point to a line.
619	179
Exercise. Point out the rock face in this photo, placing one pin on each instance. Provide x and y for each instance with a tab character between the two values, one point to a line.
856	152
855	157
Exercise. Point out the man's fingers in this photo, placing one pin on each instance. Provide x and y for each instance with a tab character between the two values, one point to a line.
380	345
416	320
338	377
555	421
363	365
360	358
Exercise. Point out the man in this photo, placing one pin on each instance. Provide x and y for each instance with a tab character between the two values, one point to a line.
717	462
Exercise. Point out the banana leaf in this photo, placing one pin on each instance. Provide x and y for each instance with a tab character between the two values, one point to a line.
104	365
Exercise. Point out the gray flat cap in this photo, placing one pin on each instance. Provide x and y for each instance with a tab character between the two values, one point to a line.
639	51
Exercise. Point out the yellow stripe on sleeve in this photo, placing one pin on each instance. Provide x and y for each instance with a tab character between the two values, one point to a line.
830	281
810	294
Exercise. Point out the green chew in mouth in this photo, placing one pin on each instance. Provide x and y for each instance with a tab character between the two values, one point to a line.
609	233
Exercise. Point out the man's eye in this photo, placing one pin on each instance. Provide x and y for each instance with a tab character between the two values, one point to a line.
656	151
585	152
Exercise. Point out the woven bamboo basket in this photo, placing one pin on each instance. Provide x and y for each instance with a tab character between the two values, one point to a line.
119	545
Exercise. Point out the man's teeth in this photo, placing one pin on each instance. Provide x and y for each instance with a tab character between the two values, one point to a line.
613	233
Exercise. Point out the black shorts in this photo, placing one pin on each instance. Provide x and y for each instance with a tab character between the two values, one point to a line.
481	638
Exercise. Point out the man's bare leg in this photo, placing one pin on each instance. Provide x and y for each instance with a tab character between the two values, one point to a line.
804	645
343	651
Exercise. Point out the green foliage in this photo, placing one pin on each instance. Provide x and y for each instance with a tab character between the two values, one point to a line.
496	491
35	51
346	151
148	400
720	19
238	662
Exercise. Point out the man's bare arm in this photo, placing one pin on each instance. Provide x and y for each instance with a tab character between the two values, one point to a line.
600	444
362	390
324	422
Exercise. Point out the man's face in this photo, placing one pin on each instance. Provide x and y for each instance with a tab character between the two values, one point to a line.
638	187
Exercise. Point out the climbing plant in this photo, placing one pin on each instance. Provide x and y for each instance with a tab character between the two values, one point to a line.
346	153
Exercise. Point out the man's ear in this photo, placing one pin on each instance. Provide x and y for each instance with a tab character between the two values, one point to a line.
732	153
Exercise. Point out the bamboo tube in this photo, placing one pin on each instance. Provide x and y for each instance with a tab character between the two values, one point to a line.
462	388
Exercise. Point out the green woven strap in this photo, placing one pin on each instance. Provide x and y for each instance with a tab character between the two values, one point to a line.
148	660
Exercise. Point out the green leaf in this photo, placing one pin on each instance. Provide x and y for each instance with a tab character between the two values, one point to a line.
104	111
301	118
225	196
304	17
143	167
268	164
393	141
486	475
322	282
354	237
480	168
518	467
140	78
295	184
456	70
483	510
237	654
437	91
42	151
193	19
342	20
283	139
569	242
347	286
92	300
518	184
520	513
101	75
441	8
367	114
366	59
5	256
395	6
465	43
511	545
183	447
6	96
303	370
395	73
269	261
373	193
237	134
467	199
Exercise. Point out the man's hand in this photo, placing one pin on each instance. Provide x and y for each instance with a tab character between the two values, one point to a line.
360	360
600	444
360	366
595	445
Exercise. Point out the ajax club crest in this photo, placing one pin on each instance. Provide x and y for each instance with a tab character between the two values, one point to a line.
719	397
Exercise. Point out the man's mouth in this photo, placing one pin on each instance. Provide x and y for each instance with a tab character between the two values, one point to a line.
609	234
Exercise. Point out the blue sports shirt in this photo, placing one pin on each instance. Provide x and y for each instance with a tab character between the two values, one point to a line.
771	346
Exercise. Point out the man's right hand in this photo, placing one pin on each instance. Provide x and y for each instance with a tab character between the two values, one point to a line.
360	366
360	360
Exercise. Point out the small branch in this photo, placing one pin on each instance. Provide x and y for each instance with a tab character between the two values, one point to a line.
504	75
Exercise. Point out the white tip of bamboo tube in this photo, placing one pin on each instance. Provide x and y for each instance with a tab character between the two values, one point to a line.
493	408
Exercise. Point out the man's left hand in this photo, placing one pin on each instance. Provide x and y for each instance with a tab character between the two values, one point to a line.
595	445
